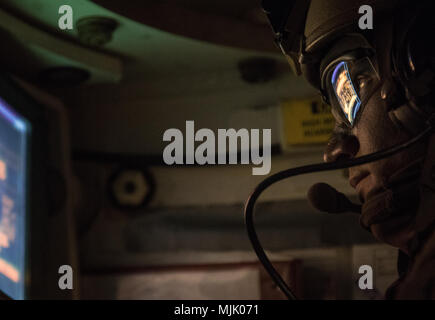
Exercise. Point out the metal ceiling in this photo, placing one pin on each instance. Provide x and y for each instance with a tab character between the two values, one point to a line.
154	50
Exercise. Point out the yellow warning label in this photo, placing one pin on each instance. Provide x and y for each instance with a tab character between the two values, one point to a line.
307	121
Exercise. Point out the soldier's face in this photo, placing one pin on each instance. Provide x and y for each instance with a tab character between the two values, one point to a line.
374	131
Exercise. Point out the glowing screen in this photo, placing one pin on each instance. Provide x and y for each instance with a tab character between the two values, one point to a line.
13	166
345	91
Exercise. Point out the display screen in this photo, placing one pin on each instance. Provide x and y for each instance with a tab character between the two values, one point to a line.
14	136
345	91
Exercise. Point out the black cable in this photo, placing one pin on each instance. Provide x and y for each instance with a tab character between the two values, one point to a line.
250	203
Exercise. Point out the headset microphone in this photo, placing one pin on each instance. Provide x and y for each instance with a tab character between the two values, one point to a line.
325	198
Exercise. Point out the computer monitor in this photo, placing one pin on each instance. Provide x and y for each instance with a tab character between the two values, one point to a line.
15	133
36	203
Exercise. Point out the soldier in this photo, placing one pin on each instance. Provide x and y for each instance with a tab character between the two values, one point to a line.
381	88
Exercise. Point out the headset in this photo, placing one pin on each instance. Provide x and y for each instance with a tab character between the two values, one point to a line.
413	66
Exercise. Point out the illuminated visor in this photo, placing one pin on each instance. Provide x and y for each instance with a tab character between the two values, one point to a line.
347	84
345	91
